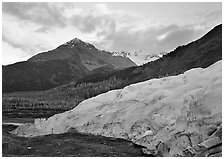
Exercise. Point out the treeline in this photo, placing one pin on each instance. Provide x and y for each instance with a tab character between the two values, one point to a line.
86	90
47	103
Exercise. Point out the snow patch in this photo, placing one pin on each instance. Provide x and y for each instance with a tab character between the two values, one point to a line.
139	57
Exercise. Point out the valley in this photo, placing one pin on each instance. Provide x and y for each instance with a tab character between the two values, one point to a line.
200	53
104	105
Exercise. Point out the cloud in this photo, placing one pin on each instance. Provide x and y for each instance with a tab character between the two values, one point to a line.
11	55
100	9
121	33
45	14
150	40
100	24
214	14
37	27
70	12
40	13
206	18
179	37
22	35
27	23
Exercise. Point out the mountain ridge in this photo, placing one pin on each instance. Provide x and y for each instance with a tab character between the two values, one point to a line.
140	57
79	49
200	53
75	58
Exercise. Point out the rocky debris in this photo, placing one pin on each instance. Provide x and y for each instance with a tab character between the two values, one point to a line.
212	147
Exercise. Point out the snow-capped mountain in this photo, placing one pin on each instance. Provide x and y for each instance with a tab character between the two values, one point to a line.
140	57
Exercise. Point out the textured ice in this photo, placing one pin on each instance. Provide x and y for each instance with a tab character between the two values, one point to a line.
148	113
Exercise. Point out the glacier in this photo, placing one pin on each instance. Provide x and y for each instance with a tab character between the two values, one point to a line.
176	111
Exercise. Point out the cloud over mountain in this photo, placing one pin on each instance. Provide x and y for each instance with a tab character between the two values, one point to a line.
34	27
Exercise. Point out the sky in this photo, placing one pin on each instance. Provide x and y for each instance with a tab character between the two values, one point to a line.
34	27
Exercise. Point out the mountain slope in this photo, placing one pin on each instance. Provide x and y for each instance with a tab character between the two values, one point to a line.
167	115
67	96
200	53
86	53
69	62
39	75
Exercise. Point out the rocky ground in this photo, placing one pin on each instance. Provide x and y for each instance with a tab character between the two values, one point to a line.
212	147
76	144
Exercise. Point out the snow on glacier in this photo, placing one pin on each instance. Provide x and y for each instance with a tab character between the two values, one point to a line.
146	113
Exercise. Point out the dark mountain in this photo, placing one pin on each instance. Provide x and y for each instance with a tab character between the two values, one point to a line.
68	62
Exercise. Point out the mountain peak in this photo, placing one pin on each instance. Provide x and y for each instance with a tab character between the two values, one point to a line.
74	41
